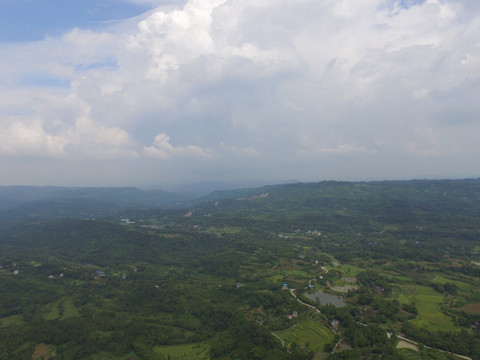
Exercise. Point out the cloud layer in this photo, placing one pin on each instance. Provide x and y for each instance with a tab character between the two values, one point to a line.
266	89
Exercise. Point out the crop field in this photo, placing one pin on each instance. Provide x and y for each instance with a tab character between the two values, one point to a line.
440	278
109	356
223	230
52	311
197	351
213	282
472	308
463	285
295	274
69	309
404	293
11	320
409	354
307	333
349	270
42	351
428	301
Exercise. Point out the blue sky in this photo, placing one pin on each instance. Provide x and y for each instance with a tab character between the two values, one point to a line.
30	20
161	92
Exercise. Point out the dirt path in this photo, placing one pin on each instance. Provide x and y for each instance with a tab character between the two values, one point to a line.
405	342
415	344
402	344
279	338
301	302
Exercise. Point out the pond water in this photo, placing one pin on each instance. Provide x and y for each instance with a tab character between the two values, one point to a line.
325	298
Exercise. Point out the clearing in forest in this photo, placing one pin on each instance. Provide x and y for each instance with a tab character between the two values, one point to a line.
308	333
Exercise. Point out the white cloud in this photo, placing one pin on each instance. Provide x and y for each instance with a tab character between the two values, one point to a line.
22	139
163	149
20	136
279	81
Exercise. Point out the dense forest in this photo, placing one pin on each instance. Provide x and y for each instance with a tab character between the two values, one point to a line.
328	270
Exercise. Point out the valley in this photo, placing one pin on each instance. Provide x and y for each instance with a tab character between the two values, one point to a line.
214	279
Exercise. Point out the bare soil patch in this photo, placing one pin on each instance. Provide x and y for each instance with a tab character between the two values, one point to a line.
406	345
42	352
471	308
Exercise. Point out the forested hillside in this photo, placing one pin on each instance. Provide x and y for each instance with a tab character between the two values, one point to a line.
329	270
20	204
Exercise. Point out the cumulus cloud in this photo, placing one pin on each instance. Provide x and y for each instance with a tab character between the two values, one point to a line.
163	149
85	139
286	82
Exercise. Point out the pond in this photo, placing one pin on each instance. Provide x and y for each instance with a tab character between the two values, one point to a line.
323	298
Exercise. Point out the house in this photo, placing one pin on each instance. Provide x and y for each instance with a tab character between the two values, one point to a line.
127	221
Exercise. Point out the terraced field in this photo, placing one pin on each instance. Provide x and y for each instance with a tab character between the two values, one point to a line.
12	320
197	351
428	301
308	333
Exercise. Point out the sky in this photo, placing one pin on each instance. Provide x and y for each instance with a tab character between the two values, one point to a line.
158	93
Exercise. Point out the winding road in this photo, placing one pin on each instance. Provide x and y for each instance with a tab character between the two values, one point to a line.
292	291
301	302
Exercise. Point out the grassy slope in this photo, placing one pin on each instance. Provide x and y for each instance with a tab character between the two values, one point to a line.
307	333
197	351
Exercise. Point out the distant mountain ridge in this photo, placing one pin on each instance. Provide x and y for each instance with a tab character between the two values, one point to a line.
31	203
396	199
393	198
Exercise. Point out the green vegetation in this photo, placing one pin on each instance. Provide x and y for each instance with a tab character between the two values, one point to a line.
210	285
184	352
308	333
428	302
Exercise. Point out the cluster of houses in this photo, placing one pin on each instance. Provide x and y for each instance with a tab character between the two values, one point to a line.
293	315
51	276
98	275
126	221
308	232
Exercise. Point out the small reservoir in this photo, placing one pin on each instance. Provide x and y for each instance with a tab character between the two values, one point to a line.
323	298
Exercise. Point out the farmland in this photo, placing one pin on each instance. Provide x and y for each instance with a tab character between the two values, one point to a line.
218	283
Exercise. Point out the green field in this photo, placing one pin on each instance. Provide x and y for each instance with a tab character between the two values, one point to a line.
184	352
62	309
349	270
69	309
405	293
428	301
462	284
52	312
408	354
308	333
11	320
223	230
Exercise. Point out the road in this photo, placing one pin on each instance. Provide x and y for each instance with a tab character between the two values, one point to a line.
301	302
279	338
292	291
